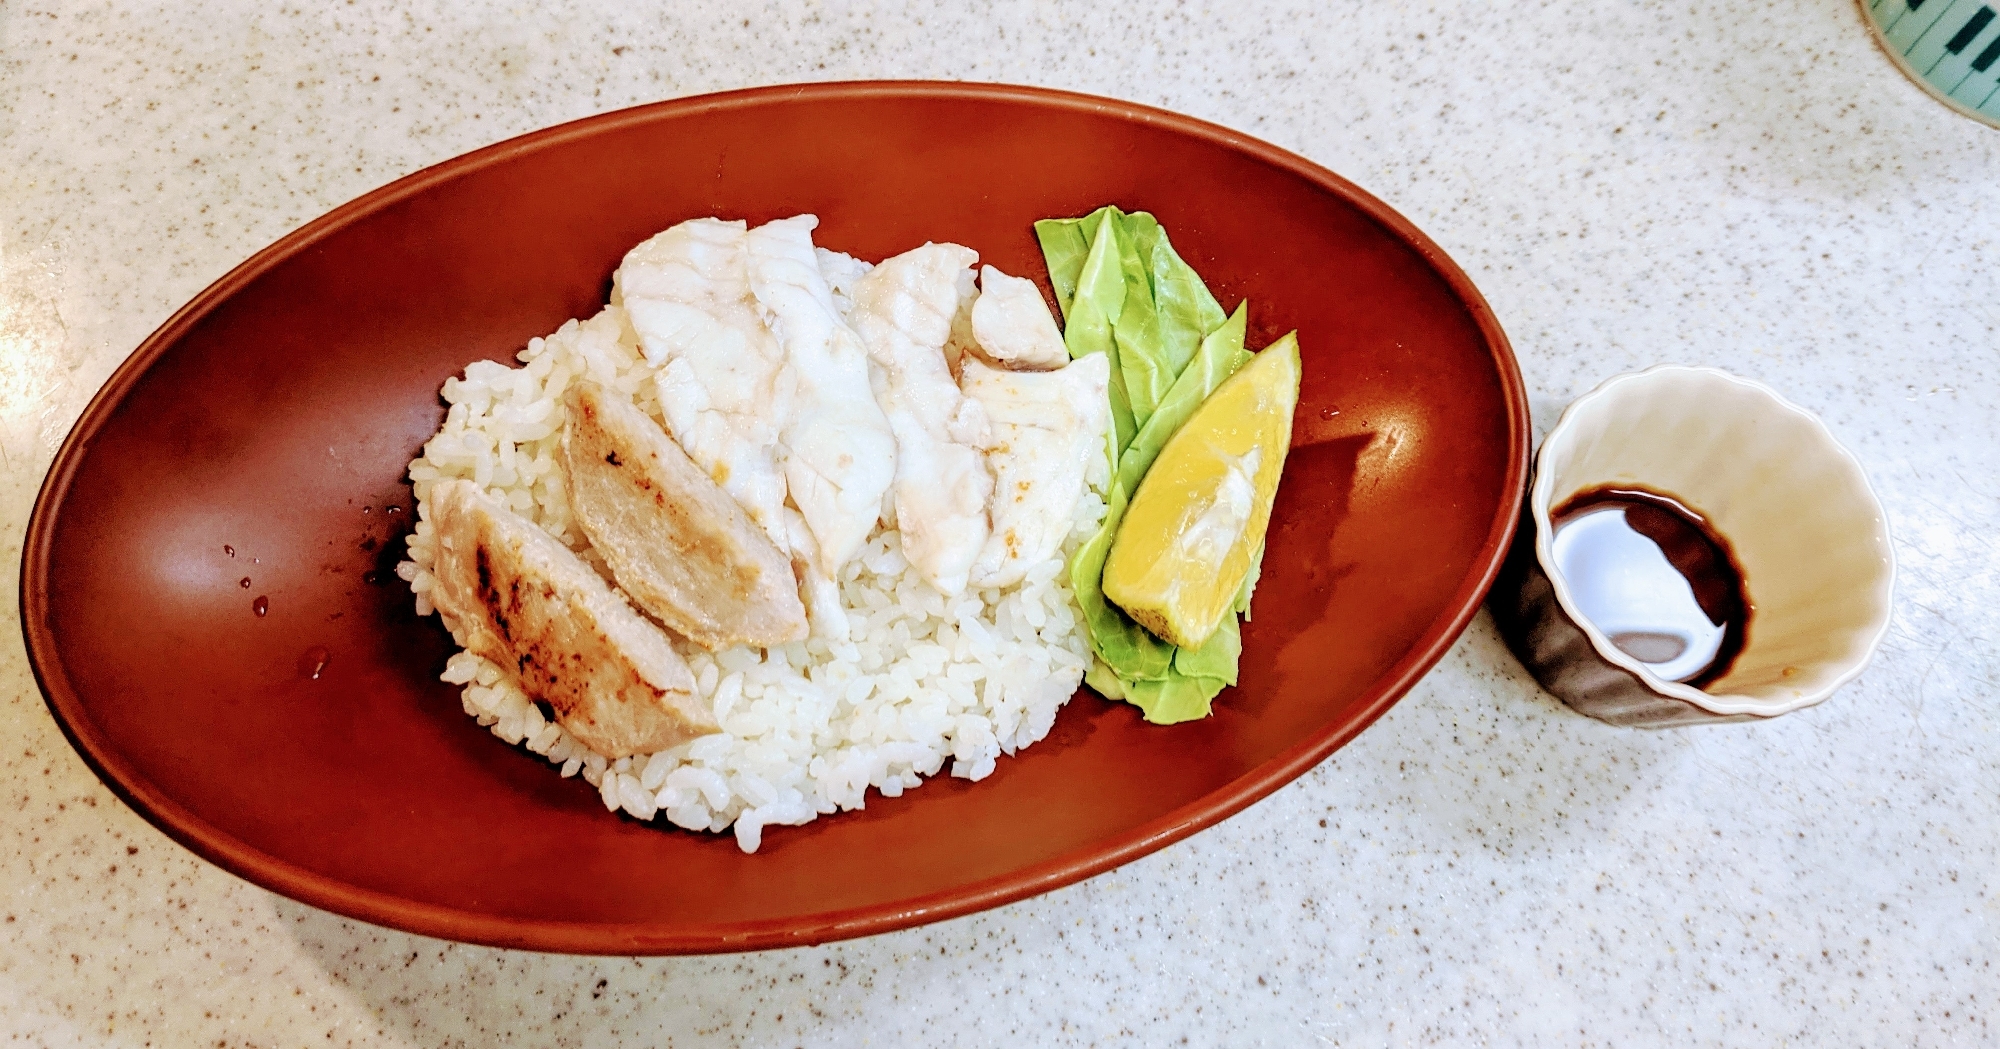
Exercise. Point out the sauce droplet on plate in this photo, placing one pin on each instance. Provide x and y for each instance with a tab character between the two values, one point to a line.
230	550
312	663
1656	578
244	582
261	605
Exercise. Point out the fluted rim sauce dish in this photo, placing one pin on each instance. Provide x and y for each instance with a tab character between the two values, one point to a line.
262	434
1805	526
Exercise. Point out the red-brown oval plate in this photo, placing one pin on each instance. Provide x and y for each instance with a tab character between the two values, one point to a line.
263	432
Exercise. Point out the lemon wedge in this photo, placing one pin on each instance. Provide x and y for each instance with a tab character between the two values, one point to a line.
1195	526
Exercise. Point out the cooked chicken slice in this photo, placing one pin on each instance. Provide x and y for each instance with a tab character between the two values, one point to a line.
903	310
677	543
841	271
1012	326
821	587
697	262
961	343
687	293
511	593
835	446
1046	427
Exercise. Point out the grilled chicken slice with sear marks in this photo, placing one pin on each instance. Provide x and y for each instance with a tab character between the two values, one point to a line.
676	541
513	594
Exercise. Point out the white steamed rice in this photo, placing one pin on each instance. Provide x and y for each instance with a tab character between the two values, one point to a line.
808	727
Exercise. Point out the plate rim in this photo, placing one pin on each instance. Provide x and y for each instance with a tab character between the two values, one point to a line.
285	878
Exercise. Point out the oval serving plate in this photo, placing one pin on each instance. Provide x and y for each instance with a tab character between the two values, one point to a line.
262	434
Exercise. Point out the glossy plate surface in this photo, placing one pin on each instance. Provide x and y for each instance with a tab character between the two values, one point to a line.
274	415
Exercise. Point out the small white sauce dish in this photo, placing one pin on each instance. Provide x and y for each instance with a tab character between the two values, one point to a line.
1806	531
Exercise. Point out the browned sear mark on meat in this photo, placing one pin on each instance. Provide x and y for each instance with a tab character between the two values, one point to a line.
516	596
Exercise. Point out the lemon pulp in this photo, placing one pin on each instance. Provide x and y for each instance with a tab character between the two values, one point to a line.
1197	522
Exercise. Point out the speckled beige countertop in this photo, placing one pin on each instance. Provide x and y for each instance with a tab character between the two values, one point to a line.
1755	188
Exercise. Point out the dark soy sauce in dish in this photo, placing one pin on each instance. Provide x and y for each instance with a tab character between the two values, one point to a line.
1655	578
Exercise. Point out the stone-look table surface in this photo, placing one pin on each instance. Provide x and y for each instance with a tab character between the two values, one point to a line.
1628	182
